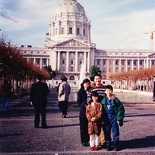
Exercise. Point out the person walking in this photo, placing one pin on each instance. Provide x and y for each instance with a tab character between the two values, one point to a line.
63	96
94	114
6	95
82	94
114	111
38	98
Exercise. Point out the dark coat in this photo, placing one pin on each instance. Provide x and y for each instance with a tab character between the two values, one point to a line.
82	98
38	95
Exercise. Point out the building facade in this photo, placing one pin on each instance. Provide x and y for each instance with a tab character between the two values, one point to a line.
68	46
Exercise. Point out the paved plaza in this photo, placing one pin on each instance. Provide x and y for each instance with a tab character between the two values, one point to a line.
19	137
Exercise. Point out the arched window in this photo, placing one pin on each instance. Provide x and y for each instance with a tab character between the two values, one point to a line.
72	77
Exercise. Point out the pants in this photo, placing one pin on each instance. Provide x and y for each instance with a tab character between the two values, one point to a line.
5	104
63	106
40	110
102	136
84	129
94	140
111	124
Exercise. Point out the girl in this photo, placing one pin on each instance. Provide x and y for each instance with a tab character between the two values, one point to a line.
94	113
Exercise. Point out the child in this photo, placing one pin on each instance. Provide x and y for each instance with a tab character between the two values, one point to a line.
114	111
94	113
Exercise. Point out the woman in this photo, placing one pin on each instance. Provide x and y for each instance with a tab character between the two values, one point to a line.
82	100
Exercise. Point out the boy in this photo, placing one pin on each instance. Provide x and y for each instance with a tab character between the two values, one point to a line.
100	89
114	115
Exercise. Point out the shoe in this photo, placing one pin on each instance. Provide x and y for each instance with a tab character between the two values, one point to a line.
36	126
96	148
108	148
116	148
85	144
63	116
103	145
92	148
44	127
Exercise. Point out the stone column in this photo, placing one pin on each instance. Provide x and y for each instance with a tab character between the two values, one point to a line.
138	64
85	61
88	65
76	61
67	61
41	62
132	64
126	65
119	65
113	65
58	61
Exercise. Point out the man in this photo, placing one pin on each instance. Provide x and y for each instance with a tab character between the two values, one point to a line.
6	95
100	89
38	97
63	96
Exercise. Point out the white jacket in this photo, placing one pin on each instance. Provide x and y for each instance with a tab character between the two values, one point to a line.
64	91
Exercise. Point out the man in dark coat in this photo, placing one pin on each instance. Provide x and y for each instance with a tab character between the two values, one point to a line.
38	97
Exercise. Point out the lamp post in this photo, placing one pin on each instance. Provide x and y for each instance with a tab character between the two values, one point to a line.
153	88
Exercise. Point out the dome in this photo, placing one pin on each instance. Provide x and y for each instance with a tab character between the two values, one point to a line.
70	7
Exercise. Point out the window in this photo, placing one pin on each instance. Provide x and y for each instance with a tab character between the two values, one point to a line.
84	33
63	61
134	62
78	31
62	30
141	62
70	30
116	62
98	62
44	61
122	62
129	62
71	69
72	62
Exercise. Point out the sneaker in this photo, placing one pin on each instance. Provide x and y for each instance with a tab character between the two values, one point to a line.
108	148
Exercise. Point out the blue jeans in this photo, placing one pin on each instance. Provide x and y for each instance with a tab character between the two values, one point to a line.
5	104
111	125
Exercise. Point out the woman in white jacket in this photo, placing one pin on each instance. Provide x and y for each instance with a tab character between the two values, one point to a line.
63	96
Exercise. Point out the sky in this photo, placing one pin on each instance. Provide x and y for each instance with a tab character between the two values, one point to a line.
115	24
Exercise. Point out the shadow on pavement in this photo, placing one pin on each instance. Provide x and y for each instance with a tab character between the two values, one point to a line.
146	142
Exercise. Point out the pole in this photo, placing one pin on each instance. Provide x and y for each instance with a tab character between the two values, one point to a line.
154	89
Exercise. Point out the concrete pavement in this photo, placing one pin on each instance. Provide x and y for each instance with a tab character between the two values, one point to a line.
19	137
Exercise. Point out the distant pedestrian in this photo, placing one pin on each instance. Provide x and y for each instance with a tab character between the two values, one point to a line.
114	115
82	94
94	114
63	96
6	95
38	97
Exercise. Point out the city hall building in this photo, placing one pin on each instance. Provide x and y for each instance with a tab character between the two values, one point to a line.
68	46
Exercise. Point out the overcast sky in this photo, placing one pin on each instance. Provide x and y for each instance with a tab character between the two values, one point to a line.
115	24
